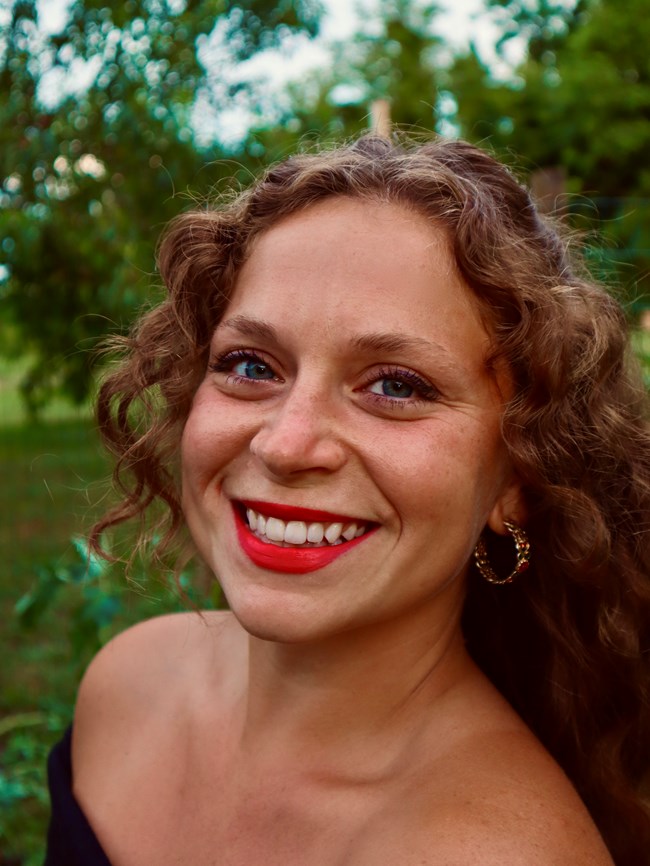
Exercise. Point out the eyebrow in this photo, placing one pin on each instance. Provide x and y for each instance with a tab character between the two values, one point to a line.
380	342
389	342
250	327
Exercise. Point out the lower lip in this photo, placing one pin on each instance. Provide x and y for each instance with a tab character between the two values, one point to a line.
290	560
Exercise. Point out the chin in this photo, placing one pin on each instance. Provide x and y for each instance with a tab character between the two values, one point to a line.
273	615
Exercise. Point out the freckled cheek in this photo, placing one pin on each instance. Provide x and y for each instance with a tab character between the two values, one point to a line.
191	463
212	438
427	477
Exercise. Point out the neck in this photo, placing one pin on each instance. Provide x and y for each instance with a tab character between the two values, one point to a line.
363	689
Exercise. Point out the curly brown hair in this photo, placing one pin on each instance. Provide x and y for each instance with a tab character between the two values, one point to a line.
568	644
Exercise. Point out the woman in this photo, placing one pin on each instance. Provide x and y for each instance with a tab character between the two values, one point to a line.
391	392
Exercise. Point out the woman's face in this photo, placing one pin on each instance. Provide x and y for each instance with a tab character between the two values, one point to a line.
343	452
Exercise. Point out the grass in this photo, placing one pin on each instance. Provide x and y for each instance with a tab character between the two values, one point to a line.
47	470
12	407
54	479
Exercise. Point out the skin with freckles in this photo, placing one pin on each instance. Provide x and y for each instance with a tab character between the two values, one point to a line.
334	718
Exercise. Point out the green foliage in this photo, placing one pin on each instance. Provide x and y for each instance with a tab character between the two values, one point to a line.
96	604
581	100
98	598
87	180
543	24
396	56
26	739
396	59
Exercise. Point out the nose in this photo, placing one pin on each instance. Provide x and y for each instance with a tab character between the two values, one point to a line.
299	436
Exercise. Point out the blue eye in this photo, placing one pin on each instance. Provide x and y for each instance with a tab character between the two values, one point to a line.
394	388
253	368
243	366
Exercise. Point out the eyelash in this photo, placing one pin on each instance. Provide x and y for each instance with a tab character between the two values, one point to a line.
225	362
425	392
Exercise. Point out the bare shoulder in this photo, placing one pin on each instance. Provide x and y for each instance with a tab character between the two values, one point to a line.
485	793
147	673
153	645
505	801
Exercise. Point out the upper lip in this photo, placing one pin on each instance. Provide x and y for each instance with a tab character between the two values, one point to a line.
292	512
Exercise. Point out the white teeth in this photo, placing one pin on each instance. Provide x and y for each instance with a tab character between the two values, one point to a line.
275	529
296	532
315	533
333	532
299	533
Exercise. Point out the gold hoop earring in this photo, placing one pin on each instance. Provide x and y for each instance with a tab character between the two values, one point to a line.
522	545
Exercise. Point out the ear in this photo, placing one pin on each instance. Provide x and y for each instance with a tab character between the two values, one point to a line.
511	506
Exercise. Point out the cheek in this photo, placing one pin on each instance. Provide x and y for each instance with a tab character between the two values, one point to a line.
214	434
433	472
202	445
192	443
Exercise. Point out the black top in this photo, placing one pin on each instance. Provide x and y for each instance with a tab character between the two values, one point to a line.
70	838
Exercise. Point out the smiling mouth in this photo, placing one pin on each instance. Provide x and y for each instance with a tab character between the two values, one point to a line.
303	533
275	538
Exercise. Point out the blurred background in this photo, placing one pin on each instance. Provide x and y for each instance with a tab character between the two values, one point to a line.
116	116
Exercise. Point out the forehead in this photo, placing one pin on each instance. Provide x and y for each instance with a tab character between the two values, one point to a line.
369	231
354	266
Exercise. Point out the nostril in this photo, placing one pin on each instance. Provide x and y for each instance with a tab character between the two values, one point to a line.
296	446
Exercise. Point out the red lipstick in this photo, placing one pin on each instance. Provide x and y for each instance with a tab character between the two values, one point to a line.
290	512
290	560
